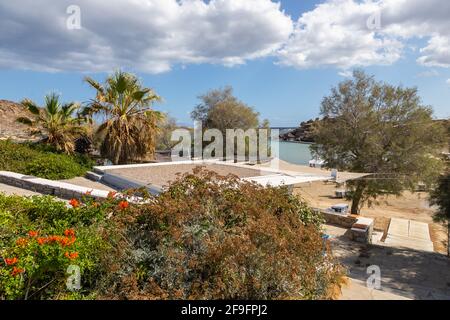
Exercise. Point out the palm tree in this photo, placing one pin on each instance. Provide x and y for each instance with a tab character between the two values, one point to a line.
130	126
55	121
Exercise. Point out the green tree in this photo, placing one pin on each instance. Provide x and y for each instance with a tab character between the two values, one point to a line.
166	125
230	115
55	121
374	127
440	196
129	130
220	109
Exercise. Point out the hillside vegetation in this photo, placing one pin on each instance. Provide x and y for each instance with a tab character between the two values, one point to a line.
41	161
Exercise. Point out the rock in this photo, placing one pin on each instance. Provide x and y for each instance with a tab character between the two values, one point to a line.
9	127
304	133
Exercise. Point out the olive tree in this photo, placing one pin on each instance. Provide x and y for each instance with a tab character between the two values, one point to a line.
440	196
220	109
373	127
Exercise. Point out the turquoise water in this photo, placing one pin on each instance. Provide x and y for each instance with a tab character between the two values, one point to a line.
293	152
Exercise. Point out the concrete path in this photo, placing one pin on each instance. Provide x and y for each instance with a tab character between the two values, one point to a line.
405	272
10	190
409	234
358	290
83	182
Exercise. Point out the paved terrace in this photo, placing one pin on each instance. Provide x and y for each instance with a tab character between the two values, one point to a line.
405	273
158	175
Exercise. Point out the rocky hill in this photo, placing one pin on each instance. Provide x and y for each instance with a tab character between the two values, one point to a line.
304	133
9	127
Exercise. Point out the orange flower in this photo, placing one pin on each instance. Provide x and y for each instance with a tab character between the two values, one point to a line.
21	242
71	256
11	261
123	205
66	241
32	233
53	239
89	192
112	194
41	241
69	232
74	203
16	271
95	204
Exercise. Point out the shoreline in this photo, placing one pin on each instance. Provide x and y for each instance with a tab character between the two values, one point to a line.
300	142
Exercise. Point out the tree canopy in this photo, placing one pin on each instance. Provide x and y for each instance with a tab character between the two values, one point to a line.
220	109
378	128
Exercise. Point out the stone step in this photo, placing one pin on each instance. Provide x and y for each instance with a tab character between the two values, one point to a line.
96	170
409	242
409	228
94	176
419	230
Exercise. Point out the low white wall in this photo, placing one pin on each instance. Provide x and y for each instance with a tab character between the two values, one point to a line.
58	189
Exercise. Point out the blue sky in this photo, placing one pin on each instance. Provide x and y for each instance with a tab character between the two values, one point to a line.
283	90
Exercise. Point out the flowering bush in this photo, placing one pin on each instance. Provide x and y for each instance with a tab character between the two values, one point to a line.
39	239
213	237
206	237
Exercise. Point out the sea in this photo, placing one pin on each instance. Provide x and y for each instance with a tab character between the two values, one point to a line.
295	152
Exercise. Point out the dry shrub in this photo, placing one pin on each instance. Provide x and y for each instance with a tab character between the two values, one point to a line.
215	237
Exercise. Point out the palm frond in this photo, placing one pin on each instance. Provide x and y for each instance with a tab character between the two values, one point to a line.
102	127
139	95
94	84
52	103
68	109
120	82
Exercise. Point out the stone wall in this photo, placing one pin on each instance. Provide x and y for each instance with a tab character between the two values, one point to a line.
342	220
362	235
50	187
361	228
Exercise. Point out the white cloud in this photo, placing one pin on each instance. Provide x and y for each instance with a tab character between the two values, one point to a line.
448	82
154	35
146	35
346	73
336	34
436	53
